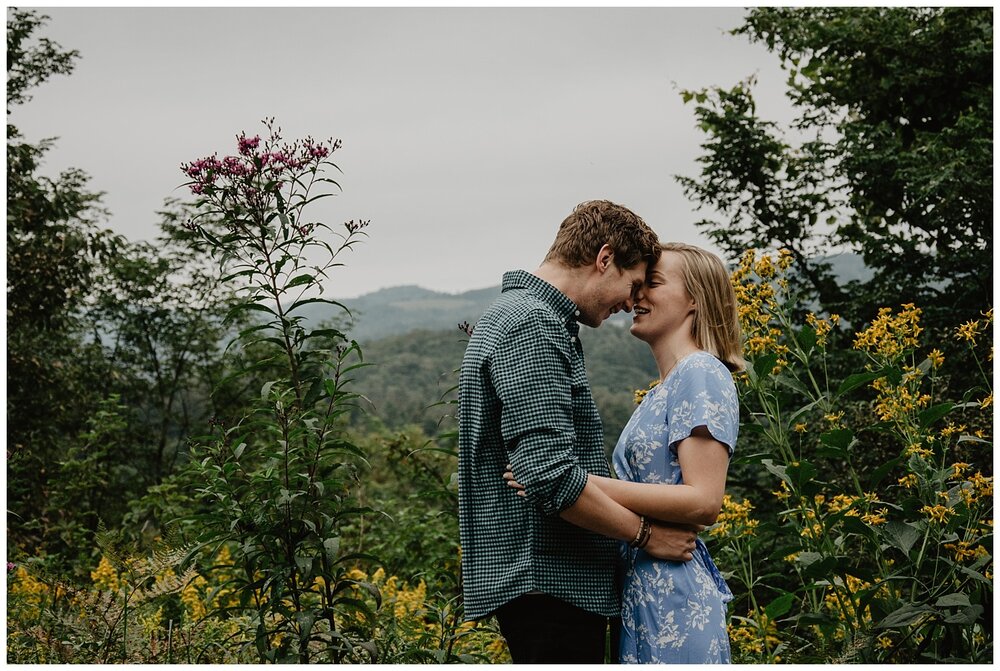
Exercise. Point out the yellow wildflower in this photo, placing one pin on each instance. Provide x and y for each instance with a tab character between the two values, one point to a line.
785	258
821	327
765	267
884	642
105	576
814	531
801	427
917	449
734	520
875	517
783	491
834	418
983	484
889	336
937	513
986	402
963	550
840	502
641	393
968	331
958	469
191	597
908	481
952	429
936	357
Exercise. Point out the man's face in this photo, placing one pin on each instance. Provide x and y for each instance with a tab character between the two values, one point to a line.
614	290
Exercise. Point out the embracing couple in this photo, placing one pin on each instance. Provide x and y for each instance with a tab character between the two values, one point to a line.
552	545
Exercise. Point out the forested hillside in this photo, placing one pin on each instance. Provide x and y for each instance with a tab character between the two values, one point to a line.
410	372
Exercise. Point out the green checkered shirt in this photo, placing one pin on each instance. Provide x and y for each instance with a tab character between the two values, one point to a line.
524	399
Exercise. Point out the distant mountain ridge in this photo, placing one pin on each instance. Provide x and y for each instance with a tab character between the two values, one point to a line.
399	310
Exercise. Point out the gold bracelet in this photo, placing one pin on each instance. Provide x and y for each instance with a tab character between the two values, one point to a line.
642	535
646	536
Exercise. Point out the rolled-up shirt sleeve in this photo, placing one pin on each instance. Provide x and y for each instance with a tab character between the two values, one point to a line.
531	370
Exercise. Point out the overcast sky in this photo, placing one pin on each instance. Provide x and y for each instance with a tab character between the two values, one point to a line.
468	133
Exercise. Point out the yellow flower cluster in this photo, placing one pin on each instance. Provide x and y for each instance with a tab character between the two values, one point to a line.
822	327
889	336
641	393
967	551
856	506
734	520
783	491
191	597
757	302
30	591
839	599
752	633
835	419
938	514
969	331
409	607
105	576
898	402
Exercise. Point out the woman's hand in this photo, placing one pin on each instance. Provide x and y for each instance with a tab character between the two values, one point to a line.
508	475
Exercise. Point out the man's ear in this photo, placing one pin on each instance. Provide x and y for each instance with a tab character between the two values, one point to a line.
605	257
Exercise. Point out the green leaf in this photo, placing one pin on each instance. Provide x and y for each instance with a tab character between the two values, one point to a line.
332	548
780	471
852	382
806	338
301	279
305	619
956	599
763	366
307	301
779	606
968	615
933	414
900	535
842	438
904	616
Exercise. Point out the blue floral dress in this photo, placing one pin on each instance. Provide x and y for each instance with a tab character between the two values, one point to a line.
675	612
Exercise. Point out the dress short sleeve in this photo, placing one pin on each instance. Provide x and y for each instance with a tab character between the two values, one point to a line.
701	392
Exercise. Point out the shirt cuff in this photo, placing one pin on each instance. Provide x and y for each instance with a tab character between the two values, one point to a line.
565	491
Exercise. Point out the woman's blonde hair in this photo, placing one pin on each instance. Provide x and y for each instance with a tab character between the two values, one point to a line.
716	326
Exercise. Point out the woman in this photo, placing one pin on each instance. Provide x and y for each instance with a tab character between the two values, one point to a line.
672	457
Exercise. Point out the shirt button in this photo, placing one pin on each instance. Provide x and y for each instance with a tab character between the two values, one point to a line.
576	313
572	338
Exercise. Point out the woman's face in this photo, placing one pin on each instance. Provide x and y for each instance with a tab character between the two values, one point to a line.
662	304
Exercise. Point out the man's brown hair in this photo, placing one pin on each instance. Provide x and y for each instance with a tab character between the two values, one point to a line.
596	223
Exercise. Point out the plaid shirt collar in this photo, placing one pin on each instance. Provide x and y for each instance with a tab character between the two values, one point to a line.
564	308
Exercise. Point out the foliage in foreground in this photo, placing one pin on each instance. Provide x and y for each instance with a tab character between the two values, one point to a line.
876	543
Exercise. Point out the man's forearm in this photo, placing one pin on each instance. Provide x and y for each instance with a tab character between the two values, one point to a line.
596	511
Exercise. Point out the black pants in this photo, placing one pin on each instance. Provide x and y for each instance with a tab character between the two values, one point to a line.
541	629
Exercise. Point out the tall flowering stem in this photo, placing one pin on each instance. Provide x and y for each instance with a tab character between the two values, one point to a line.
277	482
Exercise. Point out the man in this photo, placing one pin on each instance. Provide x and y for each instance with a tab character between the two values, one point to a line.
545	563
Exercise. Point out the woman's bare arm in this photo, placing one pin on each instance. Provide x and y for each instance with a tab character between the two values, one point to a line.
698	500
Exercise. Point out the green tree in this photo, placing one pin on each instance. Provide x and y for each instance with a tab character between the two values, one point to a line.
53	247
892	157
